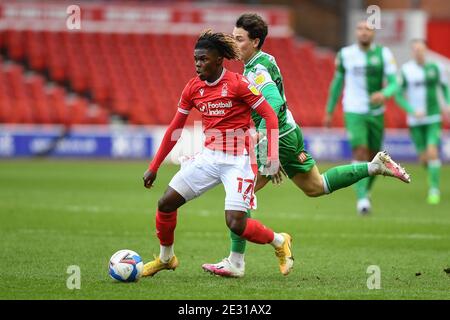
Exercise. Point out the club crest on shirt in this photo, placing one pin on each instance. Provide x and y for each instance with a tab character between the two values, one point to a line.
224	90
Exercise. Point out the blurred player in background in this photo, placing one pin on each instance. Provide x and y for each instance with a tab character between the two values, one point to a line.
225	100
261	70
363	67
421	80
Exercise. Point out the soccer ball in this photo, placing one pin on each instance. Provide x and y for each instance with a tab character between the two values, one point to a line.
126	266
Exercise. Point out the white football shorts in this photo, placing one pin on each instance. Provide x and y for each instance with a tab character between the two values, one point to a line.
209	168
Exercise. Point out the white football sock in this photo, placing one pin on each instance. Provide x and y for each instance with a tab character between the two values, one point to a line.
325	185
165	253
434	163
278	240
237	259
373	168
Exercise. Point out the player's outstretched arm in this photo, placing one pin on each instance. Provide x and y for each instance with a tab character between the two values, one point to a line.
380	97
334	93
403	103
390	72
267	113
446	94
273	97
400	97
335	90
392	86
443	81
168	142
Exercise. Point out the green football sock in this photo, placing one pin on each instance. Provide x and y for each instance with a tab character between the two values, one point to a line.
361	188
434	170
370	182
343	176
238	244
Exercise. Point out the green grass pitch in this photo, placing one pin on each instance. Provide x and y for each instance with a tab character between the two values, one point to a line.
59	213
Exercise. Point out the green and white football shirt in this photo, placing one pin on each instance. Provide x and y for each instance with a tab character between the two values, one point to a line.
364	72
421	83
263	72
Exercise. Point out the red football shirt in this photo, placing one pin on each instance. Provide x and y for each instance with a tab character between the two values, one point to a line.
226	106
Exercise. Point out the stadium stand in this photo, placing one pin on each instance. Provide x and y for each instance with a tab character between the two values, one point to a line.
138	77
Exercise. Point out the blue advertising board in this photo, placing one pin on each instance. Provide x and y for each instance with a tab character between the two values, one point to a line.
77	143
135	142
332	144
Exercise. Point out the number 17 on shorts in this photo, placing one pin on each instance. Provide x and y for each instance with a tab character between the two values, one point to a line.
246	188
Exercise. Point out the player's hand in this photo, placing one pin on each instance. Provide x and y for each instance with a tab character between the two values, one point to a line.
277	178
149	177
377	98
271	167
257	137
327	120
419	114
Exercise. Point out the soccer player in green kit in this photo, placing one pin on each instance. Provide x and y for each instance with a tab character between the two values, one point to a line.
262	71
361	69
421	80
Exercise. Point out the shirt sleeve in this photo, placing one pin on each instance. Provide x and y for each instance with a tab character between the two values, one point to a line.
339	64
390	66
443	80
262	78
169	140
337	84
400	94
263	81
249	94
185	103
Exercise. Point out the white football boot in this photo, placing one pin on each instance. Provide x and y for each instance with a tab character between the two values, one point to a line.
388	167
225	269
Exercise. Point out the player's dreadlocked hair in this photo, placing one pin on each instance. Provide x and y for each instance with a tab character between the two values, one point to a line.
223	43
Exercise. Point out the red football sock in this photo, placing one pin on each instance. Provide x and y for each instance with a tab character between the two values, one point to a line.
165	227
256	232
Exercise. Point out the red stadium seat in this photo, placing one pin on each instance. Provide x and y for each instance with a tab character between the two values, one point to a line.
135	76
27	98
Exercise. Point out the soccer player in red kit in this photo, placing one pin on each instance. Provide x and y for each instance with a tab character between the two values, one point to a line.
225	100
